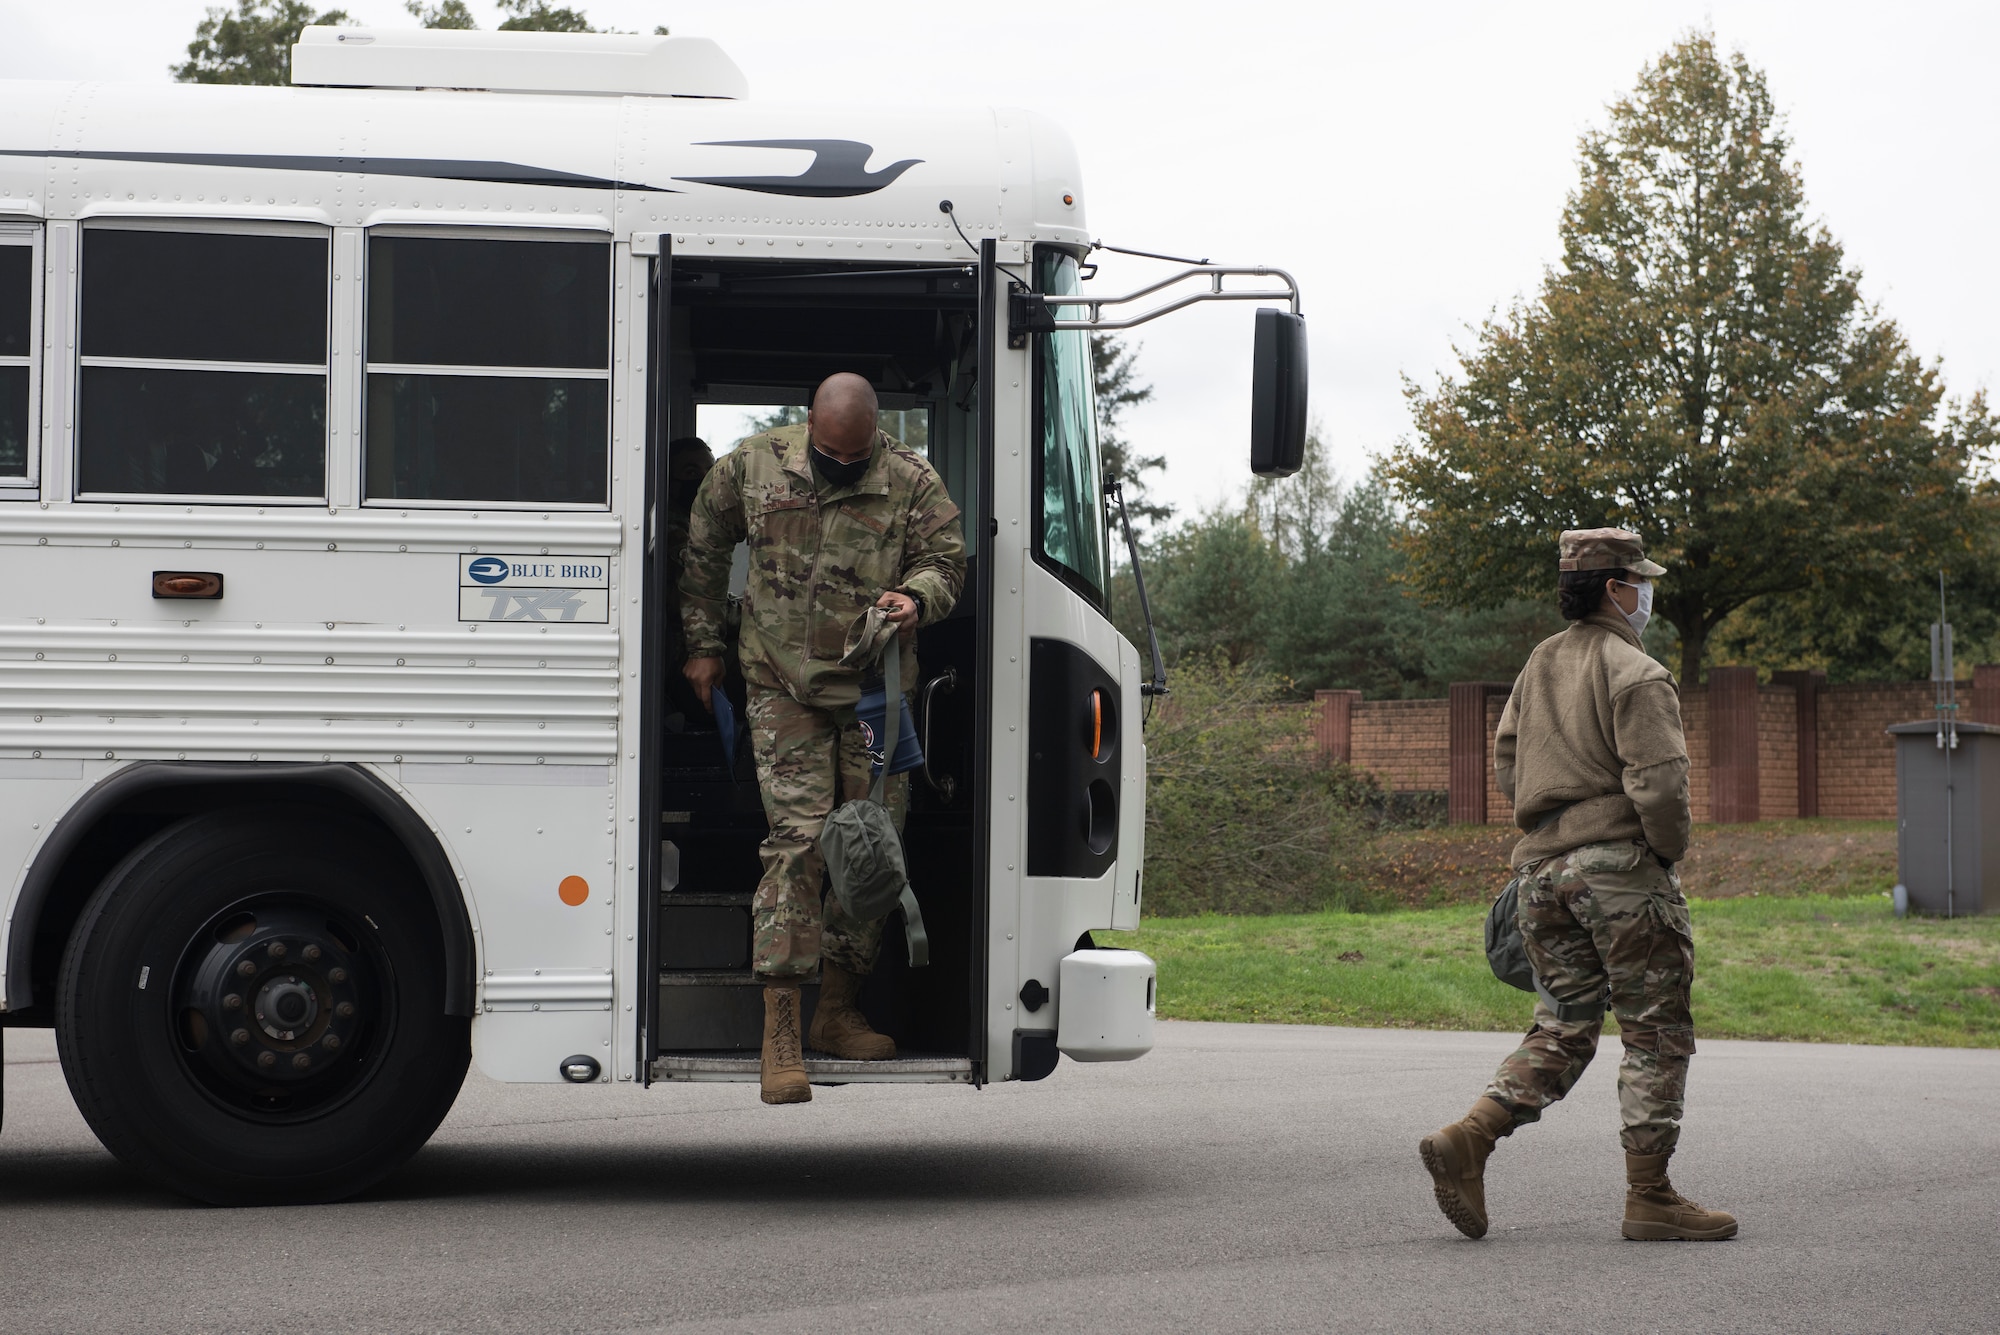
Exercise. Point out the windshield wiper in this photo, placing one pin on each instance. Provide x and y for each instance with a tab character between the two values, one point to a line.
1115	489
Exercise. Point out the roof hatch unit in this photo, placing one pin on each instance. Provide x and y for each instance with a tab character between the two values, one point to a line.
613	64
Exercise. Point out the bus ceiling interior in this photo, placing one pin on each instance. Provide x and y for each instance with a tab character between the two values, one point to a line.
750	341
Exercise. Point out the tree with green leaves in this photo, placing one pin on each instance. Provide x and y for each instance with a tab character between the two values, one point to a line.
446	14
1302	578
1342	614
1212	581
1878	629
1700	367
1119	388
252	45
540	16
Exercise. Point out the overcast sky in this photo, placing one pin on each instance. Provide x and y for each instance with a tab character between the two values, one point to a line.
1408	162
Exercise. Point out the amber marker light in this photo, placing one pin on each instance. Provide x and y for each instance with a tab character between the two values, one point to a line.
573	890
1097	725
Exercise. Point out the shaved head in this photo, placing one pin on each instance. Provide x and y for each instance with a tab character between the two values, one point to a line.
843	416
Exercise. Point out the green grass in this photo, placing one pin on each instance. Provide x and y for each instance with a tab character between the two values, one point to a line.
1812	968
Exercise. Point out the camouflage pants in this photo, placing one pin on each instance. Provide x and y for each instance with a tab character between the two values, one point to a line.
807	764
1607	915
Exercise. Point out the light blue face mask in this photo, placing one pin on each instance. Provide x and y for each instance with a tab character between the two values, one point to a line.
1637	620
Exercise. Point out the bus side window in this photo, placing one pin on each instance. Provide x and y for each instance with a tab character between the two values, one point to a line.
489	370
202	363
17	350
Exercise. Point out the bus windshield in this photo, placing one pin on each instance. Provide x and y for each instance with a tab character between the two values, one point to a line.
1069	514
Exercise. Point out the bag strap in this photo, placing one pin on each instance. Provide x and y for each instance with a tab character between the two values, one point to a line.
1572	1011
914	935
892	712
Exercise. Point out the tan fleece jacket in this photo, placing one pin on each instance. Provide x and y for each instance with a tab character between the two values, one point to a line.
1595	722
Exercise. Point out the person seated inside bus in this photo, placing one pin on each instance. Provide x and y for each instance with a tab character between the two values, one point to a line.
688	462
838	517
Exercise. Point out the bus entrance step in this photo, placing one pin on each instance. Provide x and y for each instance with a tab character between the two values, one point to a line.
912	1068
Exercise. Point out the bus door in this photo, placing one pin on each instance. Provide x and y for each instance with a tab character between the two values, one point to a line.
739	347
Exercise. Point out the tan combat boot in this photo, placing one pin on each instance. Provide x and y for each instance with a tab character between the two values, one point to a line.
838	1026
1655	1212
783	1074
1456	1158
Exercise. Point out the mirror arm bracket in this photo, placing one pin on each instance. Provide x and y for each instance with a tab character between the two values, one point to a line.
1033	312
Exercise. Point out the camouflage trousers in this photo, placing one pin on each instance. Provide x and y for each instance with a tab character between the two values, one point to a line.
807	764
1607	916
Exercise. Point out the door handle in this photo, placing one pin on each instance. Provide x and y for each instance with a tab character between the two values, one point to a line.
947	680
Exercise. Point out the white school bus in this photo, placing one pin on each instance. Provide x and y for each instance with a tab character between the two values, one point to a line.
343	736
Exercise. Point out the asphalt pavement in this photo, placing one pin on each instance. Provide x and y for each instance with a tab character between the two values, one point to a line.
1241	1178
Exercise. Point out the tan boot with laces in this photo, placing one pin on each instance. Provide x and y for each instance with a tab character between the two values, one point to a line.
839	1028
1655	1212
1456	1158
782	1077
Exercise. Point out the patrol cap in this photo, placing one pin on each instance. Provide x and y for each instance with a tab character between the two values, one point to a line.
1606	549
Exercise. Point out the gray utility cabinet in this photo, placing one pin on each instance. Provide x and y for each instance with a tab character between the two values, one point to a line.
1974	811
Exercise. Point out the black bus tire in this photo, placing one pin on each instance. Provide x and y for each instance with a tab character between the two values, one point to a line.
186	969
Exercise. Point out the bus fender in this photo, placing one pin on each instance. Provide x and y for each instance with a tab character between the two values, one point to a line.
352	782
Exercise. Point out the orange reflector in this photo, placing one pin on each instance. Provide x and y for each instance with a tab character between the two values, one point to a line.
573	890
1096	725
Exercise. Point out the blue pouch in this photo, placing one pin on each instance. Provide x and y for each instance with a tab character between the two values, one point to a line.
868	712
726	726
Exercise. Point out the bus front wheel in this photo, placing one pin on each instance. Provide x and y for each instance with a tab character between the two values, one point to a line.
251	1009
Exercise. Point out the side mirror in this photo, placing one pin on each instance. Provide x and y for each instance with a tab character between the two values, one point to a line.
1278	394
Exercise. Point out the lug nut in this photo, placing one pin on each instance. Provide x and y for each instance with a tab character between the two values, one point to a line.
300	1061
232	1002
331	1042
336	975
267	1059
344	1010
247	967
239	1036
310	952
277	950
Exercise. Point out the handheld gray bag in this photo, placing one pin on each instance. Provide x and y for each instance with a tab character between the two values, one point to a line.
864	854
1506	953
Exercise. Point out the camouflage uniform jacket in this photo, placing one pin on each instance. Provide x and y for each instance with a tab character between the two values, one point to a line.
1594	722
819	557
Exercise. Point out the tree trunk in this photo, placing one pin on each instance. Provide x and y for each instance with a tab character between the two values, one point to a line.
1694	642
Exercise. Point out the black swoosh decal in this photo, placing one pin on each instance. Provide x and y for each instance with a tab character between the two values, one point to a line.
444	169
839	169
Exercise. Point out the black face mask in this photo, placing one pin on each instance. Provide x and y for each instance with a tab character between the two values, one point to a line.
835	473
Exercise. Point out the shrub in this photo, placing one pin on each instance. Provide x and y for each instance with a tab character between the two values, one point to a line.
1241	814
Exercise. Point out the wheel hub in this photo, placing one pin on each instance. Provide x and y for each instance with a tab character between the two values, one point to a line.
285	1007
274	999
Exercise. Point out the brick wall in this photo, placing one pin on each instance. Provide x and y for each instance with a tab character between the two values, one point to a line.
1406	744
1694	723
1778	752
1857	762
1499	811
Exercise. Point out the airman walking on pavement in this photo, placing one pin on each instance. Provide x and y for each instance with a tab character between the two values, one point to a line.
1590	751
